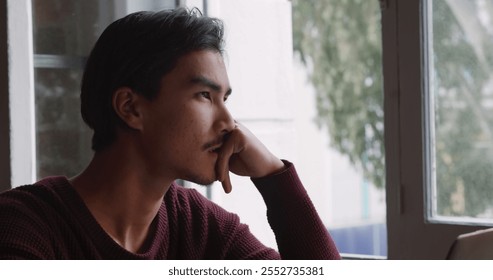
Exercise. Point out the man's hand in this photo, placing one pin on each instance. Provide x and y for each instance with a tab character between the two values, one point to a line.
243	154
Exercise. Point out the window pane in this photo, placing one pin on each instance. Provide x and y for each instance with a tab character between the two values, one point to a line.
64	32
69	27
340	95
460	36
63	140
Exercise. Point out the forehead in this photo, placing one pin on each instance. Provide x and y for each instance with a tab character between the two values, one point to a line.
208	64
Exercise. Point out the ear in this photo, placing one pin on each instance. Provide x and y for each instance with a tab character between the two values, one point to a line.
126	104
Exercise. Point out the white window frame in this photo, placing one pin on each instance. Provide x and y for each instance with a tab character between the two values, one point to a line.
21	82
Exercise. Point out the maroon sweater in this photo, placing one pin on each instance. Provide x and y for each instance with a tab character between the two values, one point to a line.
48	220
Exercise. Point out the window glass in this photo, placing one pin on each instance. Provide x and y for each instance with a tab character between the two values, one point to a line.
338	58
68	27
64	32
62	139
460	108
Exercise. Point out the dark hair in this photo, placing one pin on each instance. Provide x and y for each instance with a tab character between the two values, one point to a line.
136	51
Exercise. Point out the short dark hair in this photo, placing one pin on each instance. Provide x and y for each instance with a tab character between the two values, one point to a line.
136	51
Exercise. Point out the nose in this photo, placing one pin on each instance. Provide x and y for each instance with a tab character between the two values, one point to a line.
225	121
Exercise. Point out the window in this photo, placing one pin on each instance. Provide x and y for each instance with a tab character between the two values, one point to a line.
63	35
431	72
339	94
48	42
460	109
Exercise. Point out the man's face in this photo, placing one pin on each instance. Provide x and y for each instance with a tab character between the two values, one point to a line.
188	119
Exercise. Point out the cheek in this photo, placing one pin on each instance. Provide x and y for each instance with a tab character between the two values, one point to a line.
196	119
186	125
185	132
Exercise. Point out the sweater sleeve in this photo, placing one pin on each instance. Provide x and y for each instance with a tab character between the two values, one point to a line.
299	231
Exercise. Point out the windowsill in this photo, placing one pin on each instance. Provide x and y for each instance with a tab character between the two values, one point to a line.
361	257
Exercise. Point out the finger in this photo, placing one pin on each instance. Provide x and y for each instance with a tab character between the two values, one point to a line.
222	165
226	183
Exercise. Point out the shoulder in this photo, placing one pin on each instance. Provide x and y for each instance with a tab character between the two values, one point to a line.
33	197
26	220
32	204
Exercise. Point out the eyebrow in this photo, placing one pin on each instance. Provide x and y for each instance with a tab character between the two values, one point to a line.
201	80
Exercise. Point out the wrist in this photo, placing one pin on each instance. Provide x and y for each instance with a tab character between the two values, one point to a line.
275	166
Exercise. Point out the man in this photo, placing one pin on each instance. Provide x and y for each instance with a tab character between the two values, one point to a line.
154	92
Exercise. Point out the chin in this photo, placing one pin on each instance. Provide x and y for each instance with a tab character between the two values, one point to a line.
203	182
202	179
201	174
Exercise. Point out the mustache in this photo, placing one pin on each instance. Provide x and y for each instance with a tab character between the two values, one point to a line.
217	142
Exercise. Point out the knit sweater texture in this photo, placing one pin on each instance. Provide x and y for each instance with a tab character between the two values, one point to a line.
49	220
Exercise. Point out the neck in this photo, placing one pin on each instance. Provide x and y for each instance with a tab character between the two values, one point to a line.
121	195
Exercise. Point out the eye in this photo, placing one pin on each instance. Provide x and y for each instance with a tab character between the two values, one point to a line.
205	95
226	98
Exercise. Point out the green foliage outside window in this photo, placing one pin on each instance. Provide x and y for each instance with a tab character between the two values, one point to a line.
340	43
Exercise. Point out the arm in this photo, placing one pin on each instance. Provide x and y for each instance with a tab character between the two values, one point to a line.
300	233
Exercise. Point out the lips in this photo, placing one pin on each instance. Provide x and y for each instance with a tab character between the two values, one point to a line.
215	150
214	146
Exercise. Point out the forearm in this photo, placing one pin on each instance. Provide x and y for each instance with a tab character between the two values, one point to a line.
300	233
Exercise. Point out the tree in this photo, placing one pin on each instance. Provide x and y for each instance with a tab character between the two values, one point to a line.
463	67
340	43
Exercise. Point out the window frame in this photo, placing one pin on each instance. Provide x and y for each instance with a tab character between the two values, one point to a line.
411	234
21	82
5	173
